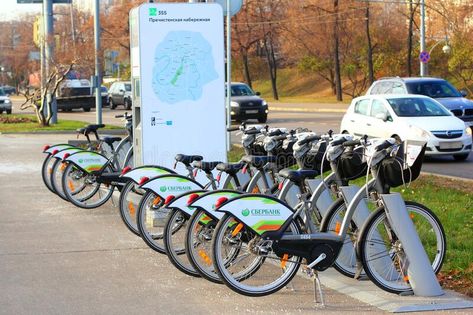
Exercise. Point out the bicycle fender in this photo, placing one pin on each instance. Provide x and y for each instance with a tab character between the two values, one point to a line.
60	155
206	202
260	213
171	185
87	160
146	171
58	147
180	202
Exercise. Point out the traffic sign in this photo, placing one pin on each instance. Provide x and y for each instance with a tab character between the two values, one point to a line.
424	56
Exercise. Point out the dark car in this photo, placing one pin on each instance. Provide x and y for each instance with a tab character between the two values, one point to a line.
439	89
120	94
247	104
9	90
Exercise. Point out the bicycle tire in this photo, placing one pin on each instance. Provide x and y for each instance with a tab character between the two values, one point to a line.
128	207
85	200
174	242
146	216
240	283
46	168
436	253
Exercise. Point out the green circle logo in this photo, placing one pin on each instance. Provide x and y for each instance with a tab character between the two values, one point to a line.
163	188
245	212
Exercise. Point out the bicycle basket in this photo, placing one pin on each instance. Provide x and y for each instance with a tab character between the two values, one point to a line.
404	167
352	164
285	154
312	160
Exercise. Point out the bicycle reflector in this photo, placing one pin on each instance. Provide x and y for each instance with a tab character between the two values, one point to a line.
126	170
46	147
143	180
191	199
66	156
281	184
195	172
55	151
220	201
168	199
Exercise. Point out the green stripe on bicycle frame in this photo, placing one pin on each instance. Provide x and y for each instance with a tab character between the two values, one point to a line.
156	170
267	225
262	199
205	219
93	167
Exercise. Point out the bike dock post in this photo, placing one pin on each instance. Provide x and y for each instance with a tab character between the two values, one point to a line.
420	273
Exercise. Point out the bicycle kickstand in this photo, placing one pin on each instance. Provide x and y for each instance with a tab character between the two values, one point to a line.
318	287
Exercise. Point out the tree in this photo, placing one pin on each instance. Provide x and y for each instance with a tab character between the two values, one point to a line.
460	64
38	99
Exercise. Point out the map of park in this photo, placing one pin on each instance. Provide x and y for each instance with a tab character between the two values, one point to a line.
183	65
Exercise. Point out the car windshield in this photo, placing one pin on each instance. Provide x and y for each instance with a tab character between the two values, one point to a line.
2	92
417	107
128	87
434	89
241	90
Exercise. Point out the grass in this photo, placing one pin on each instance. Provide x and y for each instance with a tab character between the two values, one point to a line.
452	202
27	123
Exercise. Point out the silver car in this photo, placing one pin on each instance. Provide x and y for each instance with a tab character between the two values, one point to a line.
5	102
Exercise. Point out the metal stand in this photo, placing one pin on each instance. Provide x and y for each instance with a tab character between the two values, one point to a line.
324	200
314	275
421	275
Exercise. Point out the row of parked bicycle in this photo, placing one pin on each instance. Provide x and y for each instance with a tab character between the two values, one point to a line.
253	223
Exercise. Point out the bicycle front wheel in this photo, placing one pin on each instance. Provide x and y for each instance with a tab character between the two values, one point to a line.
83	190
246	263
46	170
151	220
129	201
174	241
379	242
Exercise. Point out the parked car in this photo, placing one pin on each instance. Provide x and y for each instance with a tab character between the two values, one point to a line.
120	94
104	94
5	102
439	89
410	117
9	90
247	104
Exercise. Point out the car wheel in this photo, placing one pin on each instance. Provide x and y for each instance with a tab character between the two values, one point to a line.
86	109
1	112
461	157
263	119
8	112
112	105
128	104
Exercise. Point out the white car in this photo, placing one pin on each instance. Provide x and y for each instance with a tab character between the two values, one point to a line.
410	117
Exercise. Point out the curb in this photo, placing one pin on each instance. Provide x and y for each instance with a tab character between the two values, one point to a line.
307	110
58	132
468	180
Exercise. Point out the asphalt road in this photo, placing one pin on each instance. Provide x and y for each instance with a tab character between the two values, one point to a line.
316	121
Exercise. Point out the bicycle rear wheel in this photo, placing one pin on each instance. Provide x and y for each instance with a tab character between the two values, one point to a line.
83	190
256	270
378	240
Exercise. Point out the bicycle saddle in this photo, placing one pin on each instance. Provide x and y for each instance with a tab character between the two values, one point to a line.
110	140
258	161
230	168
93	128
299	176
188	159
206	166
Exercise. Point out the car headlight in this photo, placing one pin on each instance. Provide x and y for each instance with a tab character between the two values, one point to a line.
468	131
234	104
420	132
264	103
7	102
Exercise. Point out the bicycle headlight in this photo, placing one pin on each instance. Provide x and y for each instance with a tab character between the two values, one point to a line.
269	144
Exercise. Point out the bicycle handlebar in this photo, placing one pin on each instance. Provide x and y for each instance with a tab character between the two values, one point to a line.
281	137
352	143
386	144
233	129
310	139
338	141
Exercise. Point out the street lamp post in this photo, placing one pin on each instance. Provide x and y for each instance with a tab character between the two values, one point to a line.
423	65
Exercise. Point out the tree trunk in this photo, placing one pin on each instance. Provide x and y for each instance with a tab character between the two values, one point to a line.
246	68
370	47
336	55
272	65
409	40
